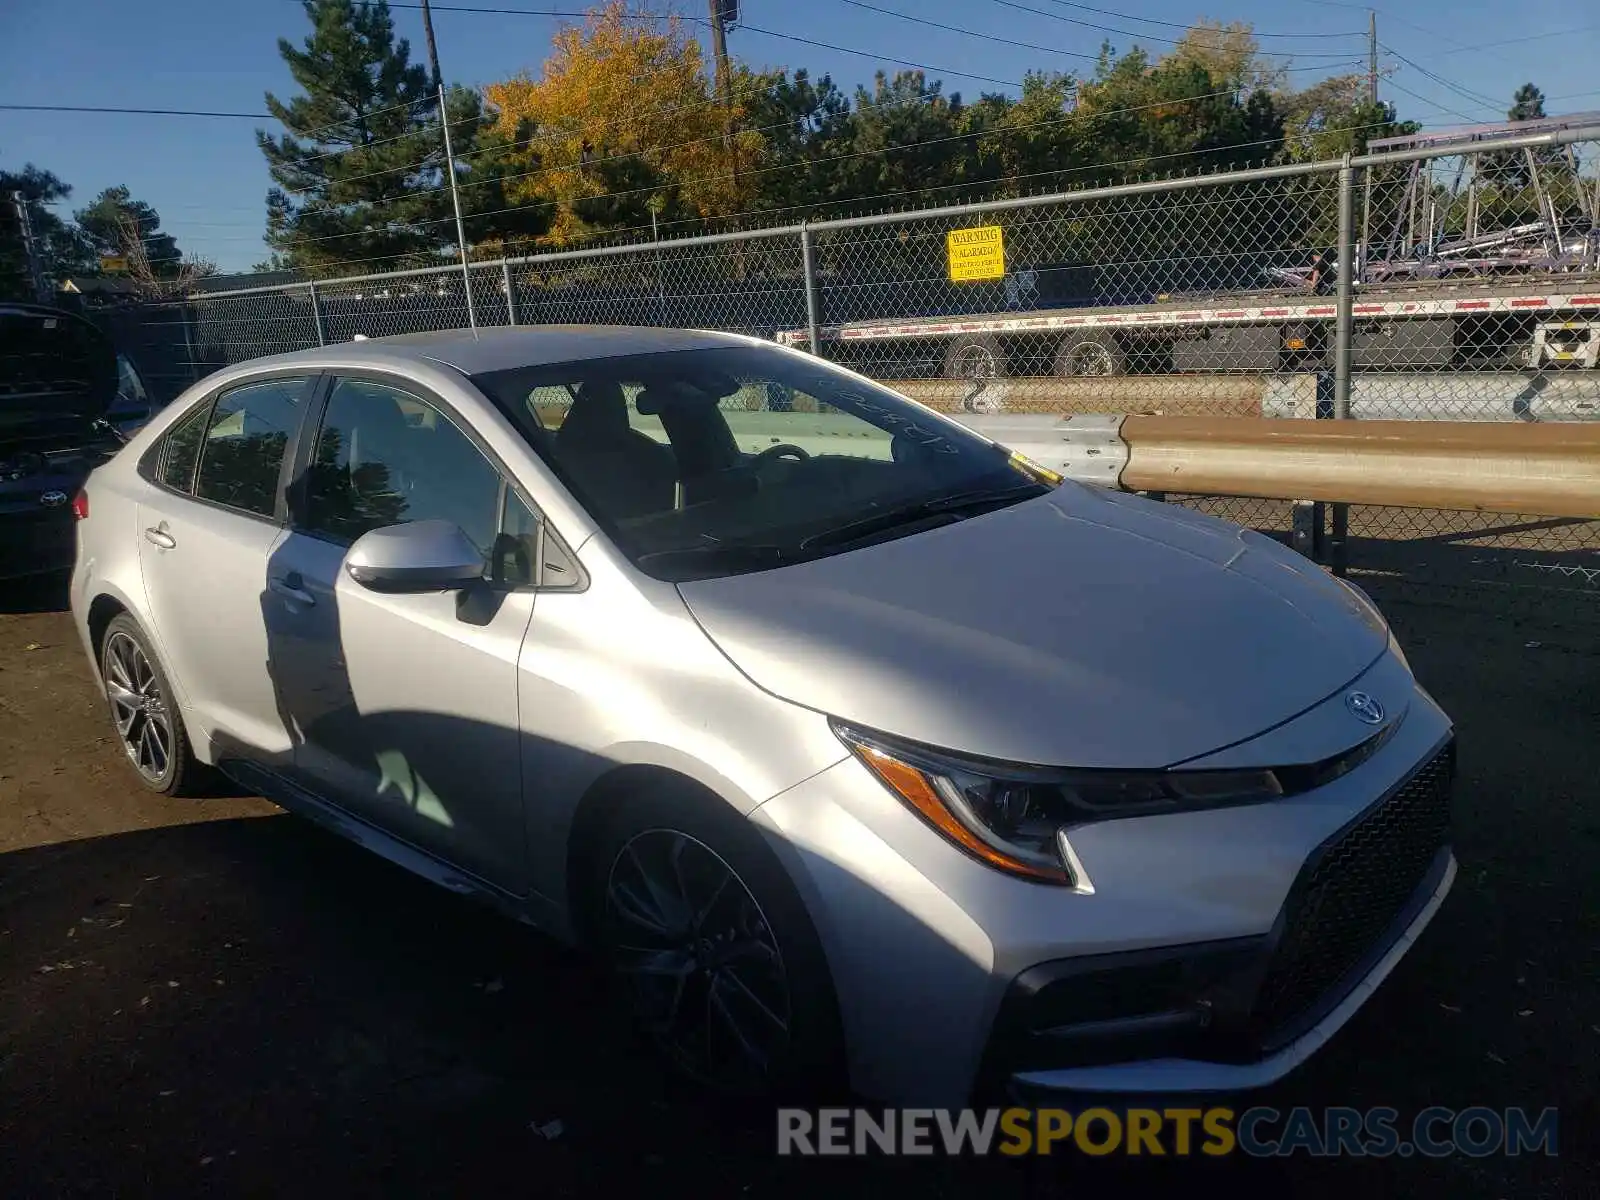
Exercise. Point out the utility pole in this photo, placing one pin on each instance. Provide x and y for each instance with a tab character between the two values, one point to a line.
433	50
450	164
30	248
723	14
455	199
1372	54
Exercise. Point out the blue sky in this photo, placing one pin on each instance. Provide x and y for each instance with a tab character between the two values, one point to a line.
208	181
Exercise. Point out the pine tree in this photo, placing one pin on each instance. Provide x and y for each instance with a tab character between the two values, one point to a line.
360	174
114	218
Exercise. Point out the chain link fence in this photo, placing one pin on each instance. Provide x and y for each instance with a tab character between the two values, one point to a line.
1439	278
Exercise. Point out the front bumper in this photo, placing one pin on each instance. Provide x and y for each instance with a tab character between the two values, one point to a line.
1179	1073
1207	957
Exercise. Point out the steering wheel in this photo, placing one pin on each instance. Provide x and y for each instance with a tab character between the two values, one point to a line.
782	450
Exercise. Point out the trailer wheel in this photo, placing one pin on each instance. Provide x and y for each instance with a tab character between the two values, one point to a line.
1090	354
975	356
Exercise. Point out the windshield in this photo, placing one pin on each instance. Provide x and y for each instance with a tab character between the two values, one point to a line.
701	463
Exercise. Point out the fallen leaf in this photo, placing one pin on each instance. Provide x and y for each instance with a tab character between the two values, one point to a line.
33	646
168	1092
207	1161
1526	1012
548	1130
1493	1057
493	986
172	983
1449	1007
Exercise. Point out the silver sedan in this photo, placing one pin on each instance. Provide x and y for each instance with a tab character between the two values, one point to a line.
861	748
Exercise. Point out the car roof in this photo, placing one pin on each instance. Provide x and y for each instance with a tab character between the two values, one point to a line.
508	347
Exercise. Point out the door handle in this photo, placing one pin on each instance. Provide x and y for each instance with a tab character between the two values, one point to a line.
159	537
287	589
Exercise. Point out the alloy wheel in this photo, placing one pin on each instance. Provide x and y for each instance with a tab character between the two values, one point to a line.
977	363
704	968
1090	358
143	719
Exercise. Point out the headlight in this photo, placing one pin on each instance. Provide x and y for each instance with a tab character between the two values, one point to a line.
1015	817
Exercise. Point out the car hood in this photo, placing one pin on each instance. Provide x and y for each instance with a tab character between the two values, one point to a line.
1084	628
58	372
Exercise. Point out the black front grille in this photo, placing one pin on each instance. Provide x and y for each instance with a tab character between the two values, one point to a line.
1352	892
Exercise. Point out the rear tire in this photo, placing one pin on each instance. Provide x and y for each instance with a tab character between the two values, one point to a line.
1094	355
144	711
713	947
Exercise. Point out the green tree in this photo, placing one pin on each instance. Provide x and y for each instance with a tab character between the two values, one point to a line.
1527	104
360	174
1334	117
808	126
114	220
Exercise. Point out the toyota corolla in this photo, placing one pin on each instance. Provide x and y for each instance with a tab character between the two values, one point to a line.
858	746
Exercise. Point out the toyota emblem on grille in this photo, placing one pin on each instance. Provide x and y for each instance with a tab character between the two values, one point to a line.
1366	708
53	499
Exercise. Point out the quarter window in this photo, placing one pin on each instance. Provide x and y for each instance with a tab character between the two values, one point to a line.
241	458
180	450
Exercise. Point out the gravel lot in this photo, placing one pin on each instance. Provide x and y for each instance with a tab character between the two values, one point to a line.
213	997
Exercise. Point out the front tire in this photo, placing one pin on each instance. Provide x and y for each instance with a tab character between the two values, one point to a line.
144	710
713	947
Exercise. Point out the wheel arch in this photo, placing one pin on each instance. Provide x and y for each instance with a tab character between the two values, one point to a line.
599	800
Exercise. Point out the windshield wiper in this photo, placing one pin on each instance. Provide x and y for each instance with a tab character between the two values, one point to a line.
955	506
748	556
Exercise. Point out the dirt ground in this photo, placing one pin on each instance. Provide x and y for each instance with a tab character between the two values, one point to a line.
213	997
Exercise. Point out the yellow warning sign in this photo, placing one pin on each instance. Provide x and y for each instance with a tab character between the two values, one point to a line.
976	254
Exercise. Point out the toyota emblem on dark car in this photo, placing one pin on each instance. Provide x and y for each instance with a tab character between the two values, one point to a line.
53	499
1366	708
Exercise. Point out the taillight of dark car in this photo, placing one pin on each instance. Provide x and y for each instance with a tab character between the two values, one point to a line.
80	505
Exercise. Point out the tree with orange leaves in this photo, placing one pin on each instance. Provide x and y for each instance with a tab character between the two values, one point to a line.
622	117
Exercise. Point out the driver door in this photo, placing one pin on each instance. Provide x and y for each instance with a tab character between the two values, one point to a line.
404	707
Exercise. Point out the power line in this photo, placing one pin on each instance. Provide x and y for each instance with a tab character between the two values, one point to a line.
1106	12
1433	103
1463	92
143	112
1129	33
988	37
1532	37
772	33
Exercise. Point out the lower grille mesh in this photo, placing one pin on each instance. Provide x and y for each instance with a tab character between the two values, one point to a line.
1353	890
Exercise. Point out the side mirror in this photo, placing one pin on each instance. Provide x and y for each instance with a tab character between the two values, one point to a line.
419	556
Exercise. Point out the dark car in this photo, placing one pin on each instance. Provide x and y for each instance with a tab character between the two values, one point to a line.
61	383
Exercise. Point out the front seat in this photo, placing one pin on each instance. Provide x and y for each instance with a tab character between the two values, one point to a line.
623	473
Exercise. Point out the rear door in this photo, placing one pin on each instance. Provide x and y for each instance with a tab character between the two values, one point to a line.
406	705
207	530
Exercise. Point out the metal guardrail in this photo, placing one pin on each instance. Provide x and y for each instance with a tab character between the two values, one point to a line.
1391	396
1470	466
